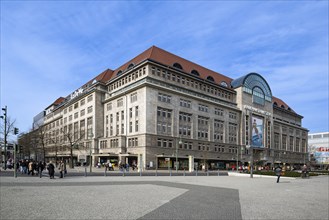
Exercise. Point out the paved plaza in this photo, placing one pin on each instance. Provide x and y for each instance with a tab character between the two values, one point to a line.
163	197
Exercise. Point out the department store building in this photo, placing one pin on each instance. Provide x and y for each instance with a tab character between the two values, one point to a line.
159	108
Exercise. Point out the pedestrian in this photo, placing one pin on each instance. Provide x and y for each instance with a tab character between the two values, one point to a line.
40	166
61	169
304	171
51	170
30	168
278	172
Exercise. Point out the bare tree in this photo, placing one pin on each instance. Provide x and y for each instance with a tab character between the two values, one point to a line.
6	128
73	138
41	139
55	141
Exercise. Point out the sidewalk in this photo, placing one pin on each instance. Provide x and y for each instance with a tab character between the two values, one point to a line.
259	198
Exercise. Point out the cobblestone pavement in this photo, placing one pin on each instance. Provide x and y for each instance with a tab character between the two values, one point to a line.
163	197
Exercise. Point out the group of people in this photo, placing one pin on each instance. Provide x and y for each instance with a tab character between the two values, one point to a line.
61	168
32	167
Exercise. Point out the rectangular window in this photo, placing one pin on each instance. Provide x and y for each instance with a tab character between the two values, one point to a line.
120	102
136	126
90	109
185	103
164	98
109	106
76	105
133	97
76	115
203	108
82	102
90	98
136	111
82	112
130	112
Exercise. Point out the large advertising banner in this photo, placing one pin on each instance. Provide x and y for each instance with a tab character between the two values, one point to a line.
321	155
257	132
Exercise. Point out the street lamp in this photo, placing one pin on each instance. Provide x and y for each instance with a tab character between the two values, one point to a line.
251	160
179	143
91	135
4	117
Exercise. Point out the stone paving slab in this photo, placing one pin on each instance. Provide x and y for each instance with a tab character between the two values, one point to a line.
256	198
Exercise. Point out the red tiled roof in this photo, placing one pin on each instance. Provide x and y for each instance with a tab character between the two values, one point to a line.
280	103
59	101
164	57
102	77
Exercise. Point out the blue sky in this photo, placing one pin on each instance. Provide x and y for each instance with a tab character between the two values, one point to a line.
51	48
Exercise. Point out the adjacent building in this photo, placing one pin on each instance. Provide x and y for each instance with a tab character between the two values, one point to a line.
318	144
159	108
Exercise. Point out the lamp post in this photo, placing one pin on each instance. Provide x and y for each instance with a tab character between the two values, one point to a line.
251	160
5	135
91	135
179	143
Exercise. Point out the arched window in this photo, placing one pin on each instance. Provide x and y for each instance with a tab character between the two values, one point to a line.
130	66
275	104
178	66
258	96
210	78
223	83
282	106
119	73
289	109
196	73
252	80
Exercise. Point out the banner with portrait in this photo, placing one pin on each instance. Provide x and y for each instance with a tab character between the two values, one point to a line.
257	132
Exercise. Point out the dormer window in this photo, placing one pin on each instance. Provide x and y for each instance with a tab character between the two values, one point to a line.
178	66
130	66
289	109
223	83
196	73
119	73
210	78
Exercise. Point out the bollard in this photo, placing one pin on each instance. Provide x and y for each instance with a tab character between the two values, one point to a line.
85	171
218	172
40	174
156	172
196	173
123	172
105	171
170	172
207	172
184	172
140	173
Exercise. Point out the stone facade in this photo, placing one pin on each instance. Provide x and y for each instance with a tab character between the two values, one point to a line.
152	114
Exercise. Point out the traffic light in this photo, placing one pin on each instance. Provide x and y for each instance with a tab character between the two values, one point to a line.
16	130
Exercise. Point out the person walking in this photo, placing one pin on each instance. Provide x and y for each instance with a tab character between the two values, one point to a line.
51	170
61	169
278	172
